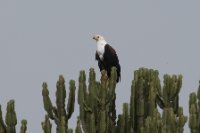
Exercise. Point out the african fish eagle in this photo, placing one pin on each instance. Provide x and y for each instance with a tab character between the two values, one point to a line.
106	57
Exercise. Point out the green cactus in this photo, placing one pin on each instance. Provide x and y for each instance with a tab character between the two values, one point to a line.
23	126
194	110
171	89
193	122
198	97
60	114
70	131
132	106
61	128
144	97
153	124
146	94
120	124
97	106
78	126
11	120
169	122
181	120
97	102
46	125
173	118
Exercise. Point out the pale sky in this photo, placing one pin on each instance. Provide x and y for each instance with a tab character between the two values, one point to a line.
39	40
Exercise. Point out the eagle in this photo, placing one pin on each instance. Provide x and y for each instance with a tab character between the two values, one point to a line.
106	57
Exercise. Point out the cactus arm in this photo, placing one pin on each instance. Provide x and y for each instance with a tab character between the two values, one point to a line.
71	99
60	97
46	125
181	120
23	126
78	126
193	117
11	118
81	100
70	131
62	126
47	101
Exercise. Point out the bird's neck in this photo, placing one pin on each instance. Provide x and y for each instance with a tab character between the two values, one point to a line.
101	43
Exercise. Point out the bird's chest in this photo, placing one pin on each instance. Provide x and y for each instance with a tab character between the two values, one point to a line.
100	51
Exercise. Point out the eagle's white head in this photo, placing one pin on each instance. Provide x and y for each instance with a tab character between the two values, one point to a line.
100	40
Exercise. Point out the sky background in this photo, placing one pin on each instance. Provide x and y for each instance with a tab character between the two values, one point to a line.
40	39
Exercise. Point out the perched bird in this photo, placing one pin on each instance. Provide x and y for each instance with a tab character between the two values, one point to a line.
106	57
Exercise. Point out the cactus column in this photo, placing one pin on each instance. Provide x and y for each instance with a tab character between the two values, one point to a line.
97	103
146	94
143	96
60	114
194	110
11	120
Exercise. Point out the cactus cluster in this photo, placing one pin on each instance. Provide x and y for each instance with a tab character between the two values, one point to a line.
9	126
59	113
97	102
142	116
153	108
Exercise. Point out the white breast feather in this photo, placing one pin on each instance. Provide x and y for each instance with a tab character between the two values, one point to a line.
101	48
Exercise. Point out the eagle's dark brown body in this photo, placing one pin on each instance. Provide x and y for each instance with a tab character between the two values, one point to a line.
109	60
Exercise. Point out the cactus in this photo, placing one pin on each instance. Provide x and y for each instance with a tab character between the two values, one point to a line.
46	125
97	102
59	114
11	120
61	128
78	127
181	120
70	131
153	124
194	110
169	122
173	119
123	123
146	94
170	93
23	126
97	106
144	97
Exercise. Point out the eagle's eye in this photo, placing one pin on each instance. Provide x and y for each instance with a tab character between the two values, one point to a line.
97	36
